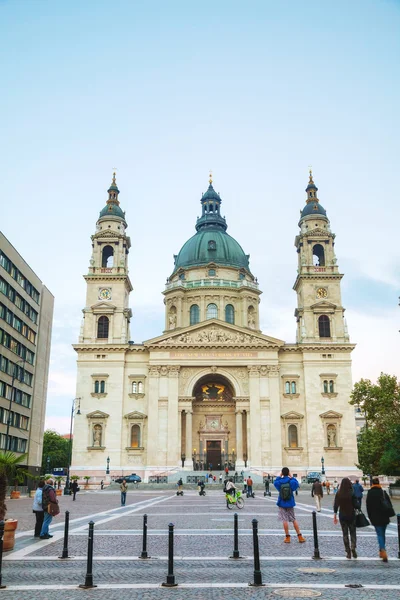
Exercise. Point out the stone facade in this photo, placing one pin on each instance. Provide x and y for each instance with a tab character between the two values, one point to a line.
213	388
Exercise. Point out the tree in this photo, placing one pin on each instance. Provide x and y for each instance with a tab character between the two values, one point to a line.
379	440
57	447
10	471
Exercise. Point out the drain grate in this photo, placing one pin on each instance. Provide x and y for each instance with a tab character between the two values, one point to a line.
297	593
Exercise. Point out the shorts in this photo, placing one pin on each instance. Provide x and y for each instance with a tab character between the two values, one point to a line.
286	514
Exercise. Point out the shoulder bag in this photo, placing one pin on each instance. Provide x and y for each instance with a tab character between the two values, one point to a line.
361	519
387	507
53	509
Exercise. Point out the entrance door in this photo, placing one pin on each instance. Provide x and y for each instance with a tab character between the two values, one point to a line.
214	454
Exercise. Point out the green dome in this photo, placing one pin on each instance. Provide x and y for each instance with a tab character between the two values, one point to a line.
211	244
112	210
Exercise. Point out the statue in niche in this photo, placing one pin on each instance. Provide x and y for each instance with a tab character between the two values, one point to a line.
332	443
172	320
251	321
97	431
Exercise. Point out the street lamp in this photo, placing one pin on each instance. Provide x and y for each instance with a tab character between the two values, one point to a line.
108	466
12	398
76	407
322	465
48	465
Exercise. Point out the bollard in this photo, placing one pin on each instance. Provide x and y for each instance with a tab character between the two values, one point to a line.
144	547
235	537
257	571
170	577
315	532
66	529
398	533
89	570
1	555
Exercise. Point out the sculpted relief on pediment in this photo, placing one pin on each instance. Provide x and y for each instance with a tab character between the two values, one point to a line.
214	335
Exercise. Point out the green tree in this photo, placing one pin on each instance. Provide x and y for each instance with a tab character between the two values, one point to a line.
379	440
10	472
57	447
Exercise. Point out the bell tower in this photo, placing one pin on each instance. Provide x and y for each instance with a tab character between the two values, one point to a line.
106	315
319	312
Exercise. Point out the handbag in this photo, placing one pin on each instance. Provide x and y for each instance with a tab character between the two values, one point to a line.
361	519
387	507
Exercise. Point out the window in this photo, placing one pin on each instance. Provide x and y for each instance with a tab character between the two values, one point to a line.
287	387
331	387
212	272
102	387
135	436
212	245
230	314
102	327
318	255
212	311
325	387
107	257
96	387
324	326
293	387
134	387
140	387
194	314
293	437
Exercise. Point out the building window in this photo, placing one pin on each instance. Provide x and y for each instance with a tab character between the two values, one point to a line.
293	436
293	387
140	387
134	387
102	327
135	436
102	387
324	326
287	387
212	272
212	311
331	387
326	390
212	245
194	314
97	387
107	257
230	314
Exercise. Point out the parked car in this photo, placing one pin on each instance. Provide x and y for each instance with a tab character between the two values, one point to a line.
129	479
313	476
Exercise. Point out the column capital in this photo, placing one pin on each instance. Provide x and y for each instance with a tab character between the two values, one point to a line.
173	370
154	371
253	370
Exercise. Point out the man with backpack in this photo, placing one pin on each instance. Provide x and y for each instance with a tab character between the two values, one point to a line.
286	485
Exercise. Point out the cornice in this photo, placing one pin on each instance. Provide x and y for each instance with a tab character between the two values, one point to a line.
109	348
338	347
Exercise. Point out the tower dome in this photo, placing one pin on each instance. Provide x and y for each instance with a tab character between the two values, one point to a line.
313	207
112	208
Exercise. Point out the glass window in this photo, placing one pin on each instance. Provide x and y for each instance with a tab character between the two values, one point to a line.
230	314
293	438
135	436
325	387
102	327
96	387
140	387
194	314
102	387
293	387
212	311
331	387
134	387
324	326
212	272
287	387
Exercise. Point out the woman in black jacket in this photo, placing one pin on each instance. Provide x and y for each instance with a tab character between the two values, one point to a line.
378	514
346	503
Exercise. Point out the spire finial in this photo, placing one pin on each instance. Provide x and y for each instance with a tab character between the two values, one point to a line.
210	180
114	182
311	177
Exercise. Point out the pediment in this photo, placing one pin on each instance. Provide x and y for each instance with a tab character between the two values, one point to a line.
97	414
103	307
135	415
324	305
331	414
292	416
214	333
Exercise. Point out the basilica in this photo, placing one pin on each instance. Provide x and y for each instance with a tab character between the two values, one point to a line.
213	390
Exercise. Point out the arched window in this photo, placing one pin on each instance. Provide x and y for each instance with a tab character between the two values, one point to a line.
194	314
293	438
230	314
287	387
140	387
318	255
96	387
102	387
324	326
325	387
102	327
212	311
134	387
135	436
331	387
107	257
293	387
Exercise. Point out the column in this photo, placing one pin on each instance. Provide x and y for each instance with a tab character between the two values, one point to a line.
275	418
152	429
254	441
179	435
189	443
173	449
239	439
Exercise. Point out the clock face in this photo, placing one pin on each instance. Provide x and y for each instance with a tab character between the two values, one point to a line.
105	294
321	293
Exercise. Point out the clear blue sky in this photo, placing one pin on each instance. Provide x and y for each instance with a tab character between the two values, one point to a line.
164	91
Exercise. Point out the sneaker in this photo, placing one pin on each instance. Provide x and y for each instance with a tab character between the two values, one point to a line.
354	553
287	539
383	555
348	554
45	537
300	538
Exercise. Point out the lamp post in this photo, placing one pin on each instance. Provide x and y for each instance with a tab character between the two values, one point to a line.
75	408
12	398
48	465
108	466
322	465
183	458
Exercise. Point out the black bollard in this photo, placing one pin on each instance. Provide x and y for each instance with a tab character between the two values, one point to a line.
66	529
170	577
89	570
257	570
315	532
144	547
235	537
1	555
398	533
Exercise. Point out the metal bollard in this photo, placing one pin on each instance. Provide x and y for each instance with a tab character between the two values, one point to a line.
1	555
144	547
66	529
398	533
89	570
235	537
170	577
257	570
317	555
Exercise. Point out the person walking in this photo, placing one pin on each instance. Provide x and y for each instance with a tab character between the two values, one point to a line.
74	488
220	477
249	487
102	485
358	491
317	492
267	485
124	488
37	508
328	487
346	503
286	485
50	508
379	509
335	486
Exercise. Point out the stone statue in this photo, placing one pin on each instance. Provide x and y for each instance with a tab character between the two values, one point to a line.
172	320
332	436
251	321
97	435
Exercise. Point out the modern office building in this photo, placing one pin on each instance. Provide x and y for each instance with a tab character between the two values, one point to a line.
26	316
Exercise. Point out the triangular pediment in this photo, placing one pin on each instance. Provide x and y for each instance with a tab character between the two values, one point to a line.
323	305
103	306
135	415
331	414
292	416
97	414
214	333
